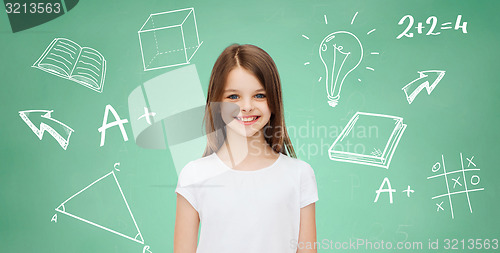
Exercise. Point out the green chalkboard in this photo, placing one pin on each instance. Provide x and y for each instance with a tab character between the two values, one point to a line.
401	129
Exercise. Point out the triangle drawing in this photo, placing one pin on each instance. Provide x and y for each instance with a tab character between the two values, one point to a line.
103	205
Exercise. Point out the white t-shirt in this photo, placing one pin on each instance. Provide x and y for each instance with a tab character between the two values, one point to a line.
248	211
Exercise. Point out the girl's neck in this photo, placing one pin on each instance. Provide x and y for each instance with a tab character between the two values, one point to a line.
238	148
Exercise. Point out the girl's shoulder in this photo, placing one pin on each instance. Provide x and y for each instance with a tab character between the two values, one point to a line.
295	162
198	170
202	161
302	170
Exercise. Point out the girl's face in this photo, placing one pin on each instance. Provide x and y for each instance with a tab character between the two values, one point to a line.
251	112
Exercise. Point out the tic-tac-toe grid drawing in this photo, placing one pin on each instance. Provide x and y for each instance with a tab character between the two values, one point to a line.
463	181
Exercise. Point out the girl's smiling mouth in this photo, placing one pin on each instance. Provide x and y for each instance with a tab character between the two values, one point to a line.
247	120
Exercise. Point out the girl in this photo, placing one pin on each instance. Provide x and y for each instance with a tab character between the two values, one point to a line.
248	191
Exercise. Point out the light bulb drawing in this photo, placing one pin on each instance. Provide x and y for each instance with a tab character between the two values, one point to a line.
341	52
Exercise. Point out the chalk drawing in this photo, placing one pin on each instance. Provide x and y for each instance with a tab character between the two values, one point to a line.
354	17
54	218
376	150
416	86
169	39
65	58
114	166
440	206
382	190
62	208
341	52
408	191
432	21
147	115
118	122
61	136
459	182
146	249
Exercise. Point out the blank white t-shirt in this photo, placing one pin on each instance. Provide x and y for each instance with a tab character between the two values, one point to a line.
248	211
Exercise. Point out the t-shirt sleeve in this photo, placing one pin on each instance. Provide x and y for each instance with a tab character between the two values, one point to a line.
185	185
308	187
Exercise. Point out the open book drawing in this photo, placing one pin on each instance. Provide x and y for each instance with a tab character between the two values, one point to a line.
66	59
369	139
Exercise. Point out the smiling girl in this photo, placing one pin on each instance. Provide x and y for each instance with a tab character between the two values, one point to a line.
248	192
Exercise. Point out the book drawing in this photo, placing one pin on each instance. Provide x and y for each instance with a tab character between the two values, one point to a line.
66	59
369	139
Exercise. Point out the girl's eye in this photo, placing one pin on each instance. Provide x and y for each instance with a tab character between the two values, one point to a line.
234	96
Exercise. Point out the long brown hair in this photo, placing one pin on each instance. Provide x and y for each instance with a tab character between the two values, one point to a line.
261	65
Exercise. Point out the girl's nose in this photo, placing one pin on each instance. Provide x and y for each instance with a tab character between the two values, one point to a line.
246	105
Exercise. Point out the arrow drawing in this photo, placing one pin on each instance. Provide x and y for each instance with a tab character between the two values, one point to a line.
412	89
61	138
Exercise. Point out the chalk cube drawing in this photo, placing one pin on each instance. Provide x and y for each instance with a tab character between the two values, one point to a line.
169	39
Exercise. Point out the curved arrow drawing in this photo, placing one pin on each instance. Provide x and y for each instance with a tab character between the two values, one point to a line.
412	89
63	141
